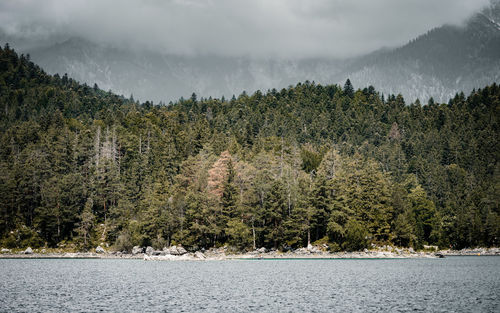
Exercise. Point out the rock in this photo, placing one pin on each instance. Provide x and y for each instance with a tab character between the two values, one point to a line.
5	250
181	250
302	251
314	250
137	250
99	249
309	247
173	250
262	250
157	252
149	250
28	251
411	250
166	251
434	248
199	255
177	250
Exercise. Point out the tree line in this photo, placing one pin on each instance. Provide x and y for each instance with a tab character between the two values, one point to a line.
281	169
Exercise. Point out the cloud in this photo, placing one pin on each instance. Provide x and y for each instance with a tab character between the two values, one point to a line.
259	28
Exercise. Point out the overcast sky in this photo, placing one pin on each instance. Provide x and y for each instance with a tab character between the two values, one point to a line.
260	28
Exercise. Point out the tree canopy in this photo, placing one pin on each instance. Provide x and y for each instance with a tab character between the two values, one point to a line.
278	169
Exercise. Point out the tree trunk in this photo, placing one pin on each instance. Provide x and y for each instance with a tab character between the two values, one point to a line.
58	228
103	236
253	233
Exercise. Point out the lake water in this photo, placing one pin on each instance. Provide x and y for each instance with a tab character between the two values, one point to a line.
454	284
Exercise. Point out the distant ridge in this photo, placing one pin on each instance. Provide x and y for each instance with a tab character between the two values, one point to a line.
438	64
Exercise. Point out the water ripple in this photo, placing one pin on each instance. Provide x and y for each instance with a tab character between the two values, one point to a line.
455	284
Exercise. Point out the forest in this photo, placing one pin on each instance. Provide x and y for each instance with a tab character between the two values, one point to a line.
346	167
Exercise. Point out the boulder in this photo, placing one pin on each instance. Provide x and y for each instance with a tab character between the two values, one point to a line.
149	250
177	250
28	251
262	250
173	250
99	249
309	247
4	250
199	255
181	250
157	252
137	250
315	250
301	251
434	248
166	251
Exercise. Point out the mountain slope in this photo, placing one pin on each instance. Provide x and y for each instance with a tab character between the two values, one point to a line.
149	75
440	63
446	60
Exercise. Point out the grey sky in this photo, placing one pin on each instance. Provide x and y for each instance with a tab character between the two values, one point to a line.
259	28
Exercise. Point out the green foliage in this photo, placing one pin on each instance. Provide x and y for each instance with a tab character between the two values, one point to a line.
124	242
86	225
356	236
238	233
279	169
404	230
310	160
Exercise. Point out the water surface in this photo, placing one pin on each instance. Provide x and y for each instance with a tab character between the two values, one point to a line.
454	284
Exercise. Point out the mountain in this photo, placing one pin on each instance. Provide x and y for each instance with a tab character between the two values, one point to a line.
149	75
438	64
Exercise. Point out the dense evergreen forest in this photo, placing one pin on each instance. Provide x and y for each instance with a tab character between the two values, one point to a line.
329	164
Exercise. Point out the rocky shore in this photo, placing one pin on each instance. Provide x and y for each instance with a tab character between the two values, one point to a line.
471	252
178	253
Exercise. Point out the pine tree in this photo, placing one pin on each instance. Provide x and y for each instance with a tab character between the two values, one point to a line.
348	89
86	224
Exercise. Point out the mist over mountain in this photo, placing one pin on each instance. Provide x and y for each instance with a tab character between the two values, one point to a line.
438	64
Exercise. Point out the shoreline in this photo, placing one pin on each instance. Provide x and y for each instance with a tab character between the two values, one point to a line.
273	255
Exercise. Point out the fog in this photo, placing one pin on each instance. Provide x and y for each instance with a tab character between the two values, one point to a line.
259	28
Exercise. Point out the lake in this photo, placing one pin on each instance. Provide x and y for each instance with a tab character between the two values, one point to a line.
453	284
